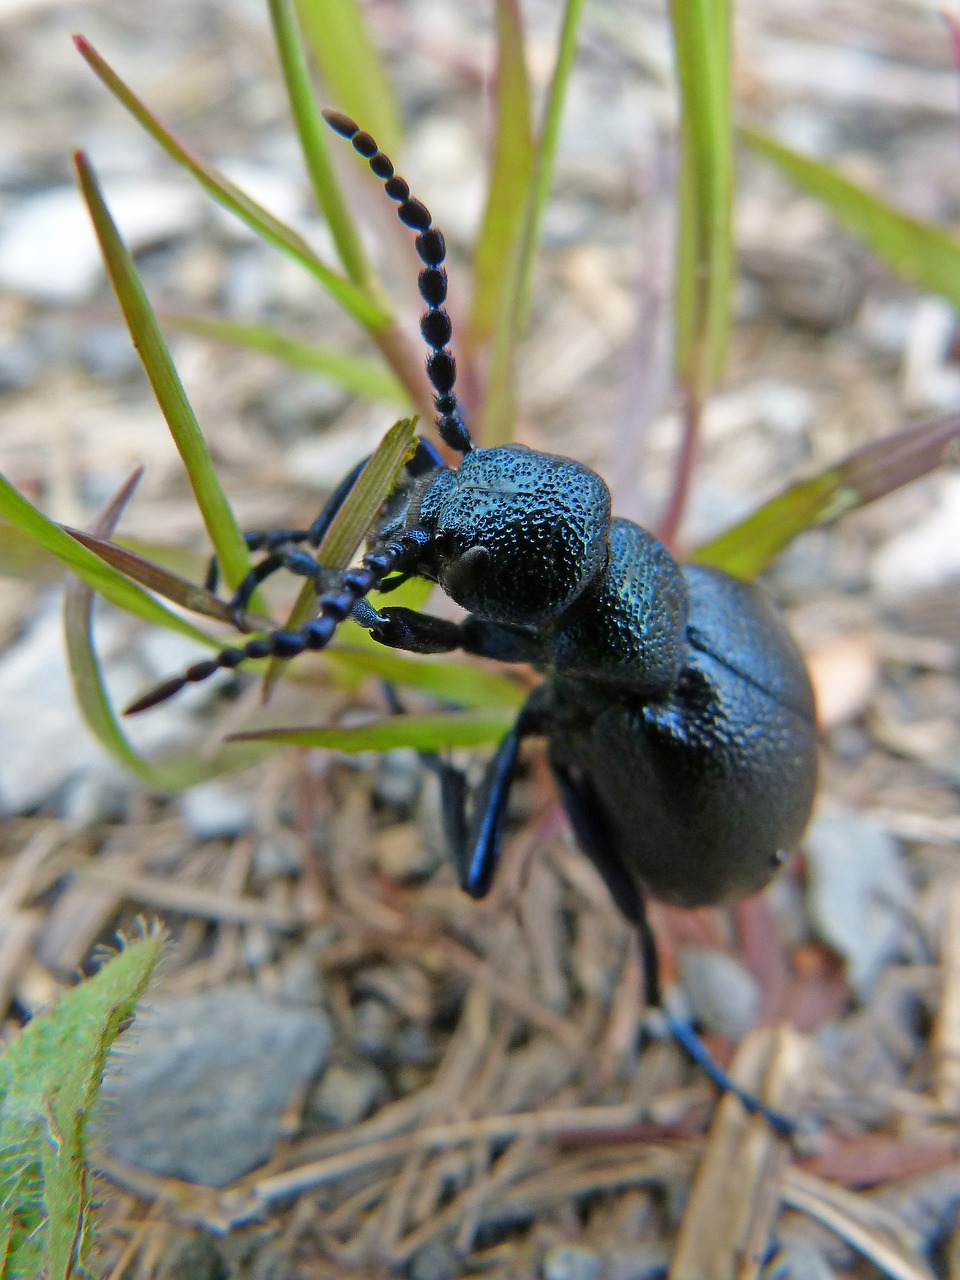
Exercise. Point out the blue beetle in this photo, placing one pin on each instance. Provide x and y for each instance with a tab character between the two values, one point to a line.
677	709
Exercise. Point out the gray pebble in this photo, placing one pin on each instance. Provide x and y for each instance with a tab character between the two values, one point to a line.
857	889
100	795
398	778
572	1262
214	811
48	250
346	1094
434	1260
798	1262
724	996
374	1029
199	1088
277	856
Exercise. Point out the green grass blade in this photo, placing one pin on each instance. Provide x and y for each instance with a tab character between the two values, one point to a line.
701	30
353	373
924	254
351	66
100	576
155	578
377	480
422	733
546	154
510	175
21	557
364	309
85	673
460	683
313	143
865	475
499	408
227	540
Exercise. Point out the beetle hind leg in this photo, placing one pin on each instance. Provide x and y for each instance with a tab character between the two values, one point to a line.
592	833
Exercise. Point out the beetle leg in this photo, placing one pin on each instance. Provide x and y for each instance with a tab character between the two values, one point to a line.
427	458
415	632
590	829
300	563
474	845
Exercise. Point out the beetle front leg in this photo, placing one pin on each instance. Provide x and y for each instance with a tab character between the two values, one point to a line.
415	632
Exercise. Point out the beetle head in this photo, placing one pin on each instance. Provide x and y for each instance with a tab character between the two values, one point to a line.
517	534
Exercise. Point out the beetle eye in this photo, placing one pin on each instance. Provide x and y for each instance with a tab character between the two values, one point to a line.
466	572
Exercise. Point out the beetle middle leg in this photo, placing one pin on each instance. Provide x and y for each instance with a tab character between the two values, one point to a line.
474	841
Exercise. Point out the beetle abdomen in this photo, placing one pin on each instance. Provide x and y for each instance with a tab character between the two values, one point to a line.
702	789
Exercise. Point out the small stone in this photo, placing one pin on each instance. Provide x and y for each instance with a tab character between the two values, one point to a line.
398	778
277	856
414	1047
572	1262
346	1094
798	1261
301	979
48	249
928	553
374	1029
784	409
101	795
200	1087
214	811
638	1262
434	1260
724	996
858	889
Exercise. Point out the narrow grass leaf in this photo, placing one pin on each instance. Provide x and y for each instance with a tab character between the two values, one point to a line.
499	409
509	180
377	480
421	733
459	683
701	30
363	308
545	157
21	557
112	585
313	143
865	475
351	67
226	537
85	674
358	376
180	591
924	254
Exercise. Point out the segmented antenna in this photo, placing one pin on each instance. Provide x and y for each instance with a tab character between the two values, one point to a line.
391	555
432	281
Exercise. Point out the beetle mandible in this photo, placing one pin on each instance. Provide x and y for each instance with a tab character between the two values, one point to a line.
677	709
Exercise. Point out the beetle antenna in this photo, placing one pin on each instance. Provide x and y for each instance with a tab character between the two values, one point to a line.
432	281
389	555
